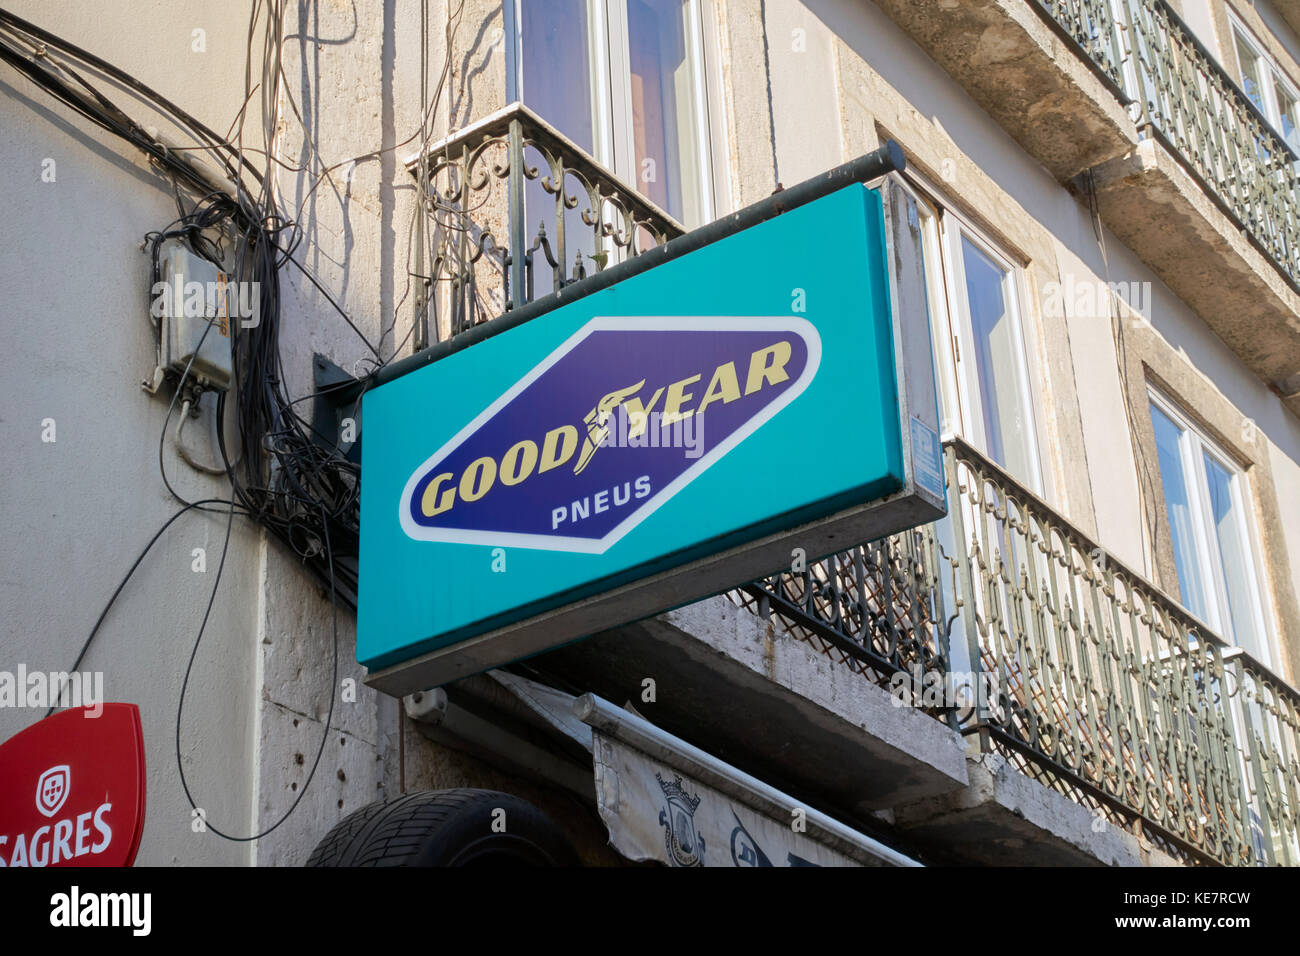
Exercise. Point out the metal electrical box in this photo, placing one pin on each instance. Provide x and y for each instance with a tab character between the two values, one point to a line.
193	297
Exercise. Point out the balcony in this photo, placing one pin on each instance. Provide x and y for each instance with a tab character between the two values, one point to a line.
1118	99
516	210
1103	689
1098	717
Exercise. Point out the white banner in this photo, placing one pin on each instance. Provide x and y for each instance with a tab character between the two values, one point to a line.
655	813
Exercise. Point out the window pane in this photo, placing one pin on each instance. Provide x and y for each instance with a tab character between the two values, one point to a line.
1250	83
998	364
558	79
1226	524
664	116
557	66
1178	506
1286	106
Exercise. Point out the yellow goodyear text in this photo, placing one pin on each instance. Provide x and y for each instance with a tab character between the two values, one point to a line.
557	447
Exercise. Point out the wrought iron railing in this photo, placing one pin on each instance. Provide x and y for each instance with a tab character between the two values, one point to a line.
877	608
1189	102
1097	683
1076	668
1091	24
1270	718
1183	97
516	209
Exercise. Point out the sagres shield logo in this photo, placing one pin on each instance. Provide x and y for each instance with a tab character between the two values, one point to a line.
607	428
52	789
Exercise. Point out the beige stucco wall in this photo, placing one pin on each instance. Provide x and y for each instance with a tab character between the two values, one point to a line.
888	86
76	344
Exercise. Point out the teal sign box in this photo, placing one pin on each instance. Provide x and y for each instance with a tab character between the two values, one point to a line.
715	400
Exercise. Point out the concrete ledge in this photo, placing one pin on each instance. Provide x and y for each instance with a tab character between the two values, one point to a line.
1150	201
1038	87
1006	819
770	704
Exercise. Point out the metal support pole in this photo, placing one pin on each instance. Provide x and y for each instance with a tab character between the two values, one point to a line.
518	226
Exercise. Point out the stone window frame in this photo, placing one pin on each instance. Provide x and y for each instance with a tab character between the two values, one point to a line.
1223	13
1259	590
1151	363
1237	26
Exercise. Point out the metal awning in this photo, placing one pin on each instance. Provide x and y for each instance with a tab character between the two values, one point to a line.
660	797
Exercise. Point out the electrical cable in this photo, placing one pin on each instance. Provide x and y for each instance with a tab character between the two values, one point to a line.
284	474
99	621
180	706
130	82
1116	317
184	452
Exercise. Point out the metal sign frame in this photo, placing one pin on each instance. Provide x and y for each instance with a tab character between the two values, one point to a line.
919	499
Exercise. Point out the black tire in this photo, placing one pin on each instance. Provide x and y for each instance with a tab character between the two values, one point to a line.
445	828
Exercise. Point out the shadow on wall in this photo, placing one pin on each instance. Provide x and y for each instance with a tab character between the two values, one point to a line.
488	42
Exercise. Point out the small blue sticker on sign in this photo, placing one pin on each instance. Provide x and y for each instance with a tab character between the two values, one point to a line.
927	458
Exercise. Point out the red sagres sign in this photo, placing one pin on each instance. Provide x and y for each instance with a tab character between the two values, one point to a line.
72	790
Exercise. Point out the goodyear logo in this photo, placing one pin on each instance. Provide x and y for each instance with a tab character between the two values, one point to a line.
607	428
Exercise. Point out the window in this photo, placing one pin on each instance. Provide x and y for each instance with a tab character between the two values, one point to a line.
627	81
1266	87
1205	501
993	361
975	290
973	294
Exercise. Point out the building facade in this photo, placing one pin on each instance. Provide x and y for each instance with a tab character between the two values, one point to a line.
1092	658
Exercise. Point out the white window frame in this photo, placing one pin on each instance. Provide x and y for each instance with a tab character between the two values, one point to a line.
1193	446
1270	74
960	399
956	382
613	135
953	228
950	397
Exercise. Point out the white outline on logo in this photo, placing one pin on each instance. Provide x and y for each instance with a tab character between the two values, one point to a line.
62	770
801	327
